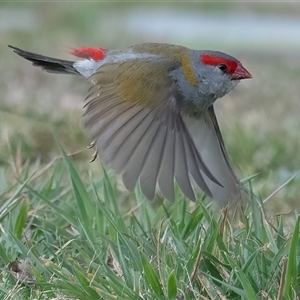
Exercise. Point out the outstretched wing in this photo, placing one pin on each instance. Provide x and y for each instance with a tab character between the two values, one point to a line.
207	138
139	131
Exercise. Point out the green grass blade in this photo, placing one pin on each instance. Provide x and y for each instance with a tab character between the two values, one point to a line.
151	276
79	190
21	218
249	292
84	283
172	286
292	269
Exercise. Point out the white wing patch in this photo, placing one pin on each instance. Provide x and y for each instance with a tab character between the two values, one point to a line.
87	67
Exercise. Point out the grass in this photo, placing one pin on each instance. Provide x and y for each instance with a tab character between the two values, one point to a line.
67	235
69	230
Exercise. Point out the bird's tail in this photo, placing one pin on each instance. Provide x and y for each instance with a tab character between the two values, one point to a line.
51	65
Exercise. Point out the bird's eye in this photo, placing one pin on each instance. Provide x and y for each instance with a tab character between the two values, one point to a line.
222	67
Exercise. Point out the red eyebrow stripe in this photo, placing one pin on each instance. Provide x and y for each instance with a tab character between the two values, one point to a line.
86	52
216	60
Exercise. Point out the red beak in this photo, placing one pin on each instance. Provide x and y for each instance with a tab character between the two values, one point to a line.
240	73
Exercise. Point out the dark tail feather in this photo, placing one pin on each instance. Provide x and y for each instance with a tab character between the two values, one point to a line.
51	65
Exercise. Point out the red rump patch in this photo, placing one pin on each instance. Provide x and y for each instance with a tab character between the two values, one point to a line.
86	52
216	60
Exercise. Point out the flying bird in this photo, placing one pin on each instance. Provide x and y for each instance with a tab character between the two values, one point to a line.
150	114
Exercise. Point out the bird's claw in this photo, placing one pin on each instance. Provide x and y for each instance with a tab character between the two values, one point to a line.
94	156
92	145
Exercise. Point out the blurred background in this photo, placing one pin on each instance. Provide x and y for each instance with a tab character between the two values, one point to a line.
260	119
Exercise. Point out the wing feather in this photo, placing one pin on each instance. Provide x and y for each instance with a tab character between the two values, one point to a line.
166	172
181	167
137	159
205	131
149	173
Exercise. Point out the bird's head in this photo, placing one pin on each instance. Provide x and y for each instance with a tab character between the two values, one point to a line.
218	72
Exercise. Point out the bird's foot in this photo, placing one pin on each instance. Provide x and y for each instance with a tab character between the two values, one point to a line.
92	145
95	154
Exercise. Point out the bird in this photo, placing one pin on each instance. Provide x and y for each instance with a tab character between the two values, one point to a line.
150	114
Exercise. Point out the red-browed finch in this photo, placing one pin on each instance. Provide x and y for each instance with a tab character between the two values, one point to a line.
150	112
